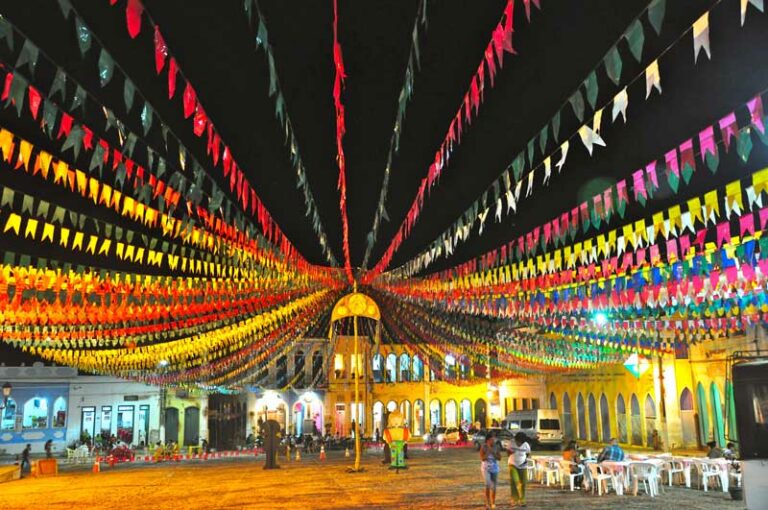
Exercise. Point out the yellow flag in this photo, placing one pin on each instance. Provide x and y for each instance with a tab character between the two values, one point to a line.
13	222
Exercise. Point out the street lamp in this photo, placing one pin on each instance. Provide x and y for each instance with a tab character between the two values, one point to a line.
356	305
7	387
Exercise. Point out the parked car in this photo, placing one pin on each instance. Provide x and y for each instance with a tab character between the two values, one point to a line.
503	436
542	426
442	435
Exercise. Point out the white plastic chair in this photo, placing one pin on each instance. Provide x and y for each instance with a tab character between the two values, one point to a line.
707	471
71	455
599	479
647	474
551	471
673	467
733	473
566	472
530	468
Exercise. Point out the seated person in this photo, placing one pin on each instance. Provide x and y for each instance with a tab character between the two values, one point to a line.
611	452
730	451
571	454
714	451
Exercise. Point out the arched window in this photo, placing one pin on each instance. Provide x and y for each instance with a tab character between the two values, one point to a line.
391	369
59	412
592	408
451	414
377	369
435	419
465	412
582	419
419	415
405	367
687	418
418	368
552	401
567	417
650	419
298	369
35	413
281	371
450	367
391	406
317	367
621	419
8	421
717	414
637	421
481	414
464	368
605	418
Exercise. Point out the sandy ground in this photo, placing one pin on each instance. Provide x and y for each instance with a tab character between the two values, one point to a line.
447	479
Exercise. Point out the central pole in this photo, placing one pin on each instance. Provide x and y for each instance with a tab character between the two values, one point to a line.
357	400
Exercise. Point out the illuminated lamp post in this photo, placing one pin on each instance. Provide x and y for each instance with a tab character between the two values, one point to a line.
355	305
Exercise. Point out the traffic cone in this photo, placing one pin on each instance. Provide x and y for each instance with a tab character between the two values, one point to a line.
298	453
322	452
96	466
288	452
346	452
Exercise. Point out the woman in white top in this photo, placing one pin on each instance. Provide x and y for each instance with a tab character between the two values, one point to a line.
518	457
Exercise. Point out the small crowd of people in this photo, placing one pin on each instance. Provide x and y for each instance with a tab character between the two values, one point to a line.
490	455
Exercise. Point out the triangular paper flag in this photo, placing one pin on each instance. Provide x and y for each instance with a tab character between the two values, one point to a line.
744	3
620	103
589	138
652	78
701	36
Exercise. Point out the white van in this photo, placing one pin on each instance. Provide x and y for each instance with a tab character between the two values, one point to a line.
542	426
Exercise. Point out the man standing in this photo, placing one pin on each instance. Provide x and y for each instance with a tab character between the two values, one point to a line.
26	467
270	431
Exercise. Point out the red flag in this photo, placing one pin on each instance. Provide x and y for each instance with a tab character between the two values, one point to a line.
161	50
190	100
133	17
34	101
172	68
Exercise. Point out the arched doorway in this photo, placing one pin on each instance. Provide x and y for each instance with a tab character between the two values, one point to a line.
405	410
717	415
378	417
637	421
271	406
171	425
650	420
552	401
605	418
687	418
451	414
465	368
701	401
465	413
567	417
450	367
581	416
481	416
435	419
191	426
418	422
592	407
621	419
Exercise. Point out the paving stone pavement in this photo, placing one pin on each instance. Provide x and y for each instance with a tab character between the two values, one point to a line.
446	479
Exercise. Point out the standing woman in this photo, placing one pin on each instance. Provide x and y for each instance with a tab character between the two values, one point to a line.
518	476
489	466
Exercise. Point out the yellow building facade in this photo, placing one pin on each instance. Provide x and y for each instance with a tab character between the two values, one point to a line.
686	398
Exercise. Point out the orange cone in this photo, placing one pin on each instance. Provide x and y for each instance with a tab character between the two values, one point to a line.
322	452
96	467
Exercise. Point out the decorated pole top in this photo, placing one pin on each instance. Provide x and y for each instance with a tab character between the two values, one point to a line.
355	304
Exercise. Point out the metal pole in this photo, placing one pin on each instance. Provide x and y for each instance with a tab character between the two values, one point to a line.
357	399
